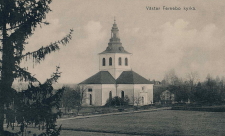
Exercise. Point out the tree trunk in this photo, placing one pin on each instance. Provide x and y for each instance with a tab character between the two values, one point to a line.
6	73
1	118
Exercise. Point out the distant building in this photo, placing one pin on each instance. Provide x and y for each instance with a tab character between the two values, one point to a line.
167	97
116	77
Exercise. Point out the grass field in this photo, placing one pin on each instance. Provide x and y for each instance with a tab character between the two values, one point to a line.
156	123
167	122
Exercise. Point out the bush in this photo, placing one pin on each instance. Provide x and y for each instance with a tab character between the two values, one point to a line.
117	101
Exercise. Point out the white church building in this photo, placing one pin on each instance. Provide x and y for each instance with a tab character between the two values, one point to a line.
115	76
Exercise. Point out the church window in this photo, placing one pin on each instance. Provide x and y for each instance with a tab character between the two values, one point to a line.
143	88
122	94
126	62
103	62
90	99
110	95
110	61
89	90
120	61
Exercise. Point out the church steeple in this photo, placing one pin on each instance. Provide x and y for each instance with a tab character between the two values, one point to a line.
115	59
114	45
115	33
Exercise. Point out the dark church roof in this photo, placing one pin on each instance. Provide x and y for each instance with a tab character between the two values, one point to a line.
127	77
102	77
115	49
131	77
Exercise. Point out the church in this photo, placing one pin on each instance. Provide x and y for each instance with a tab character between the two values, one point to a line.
115	77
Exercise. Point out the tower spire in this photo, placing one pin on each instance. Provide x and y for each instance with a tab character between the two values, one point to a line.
114	45
115	32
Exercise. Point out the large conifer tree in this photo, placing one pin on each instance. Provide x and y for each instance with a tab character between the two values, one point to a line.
19	18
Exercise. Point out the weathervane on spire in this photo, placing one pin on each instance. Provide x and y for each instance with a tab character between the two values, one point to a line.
114	20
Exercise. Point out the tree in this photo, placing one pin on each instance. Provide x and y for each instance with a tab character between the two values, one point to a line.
157	91
38	105
19	18
176	86
211	91
74	98
80	97
136	101
191	81
69	100
171	78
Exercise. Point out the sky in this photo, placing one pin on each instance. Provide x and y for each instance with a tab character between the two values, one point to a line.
159	40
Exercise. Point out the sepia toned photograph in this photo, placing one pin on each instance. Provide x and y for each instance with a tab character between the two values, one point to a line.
112	68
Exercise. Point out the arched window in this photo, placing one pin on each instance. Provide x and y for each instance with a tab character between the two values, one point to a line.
90	99
122	94
103	62
120	61
126	62
110	61
110	95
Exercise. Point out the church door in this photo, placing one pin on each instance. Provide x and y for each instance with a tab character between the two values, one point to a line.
143	100
122	94
110	95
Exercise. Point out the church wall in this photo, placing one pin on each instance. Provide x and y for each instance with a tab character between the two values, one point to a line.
121	68
111	69
116	69
128	90
106	56
106	88
96	94
123	56
144	91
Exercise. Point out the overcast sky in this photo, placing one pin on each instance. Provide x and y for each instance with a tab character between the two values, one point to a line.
160	40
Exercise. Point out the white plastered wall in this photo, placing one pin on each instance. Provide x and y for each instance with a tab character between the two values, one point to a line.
100	92
145	91
96	94
128	90
120	68
106	88
115	70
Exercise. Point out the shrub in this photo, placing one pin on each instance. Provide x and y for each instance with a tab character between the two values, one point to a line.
117	101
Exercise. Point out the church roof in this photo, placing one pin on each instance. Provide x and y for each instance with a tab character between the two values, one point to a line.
115	49
131	77
114	45
102	77
126	77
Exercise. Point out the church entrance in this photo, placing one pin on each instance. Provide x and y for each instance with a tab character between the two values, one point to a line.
122	94
142	100
143	96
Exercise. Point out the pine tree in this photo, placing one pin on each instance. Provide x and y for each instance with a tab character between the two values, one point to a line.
19	18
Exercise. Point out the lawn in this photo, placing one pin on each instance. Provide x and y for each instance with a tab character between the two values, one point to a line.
167	122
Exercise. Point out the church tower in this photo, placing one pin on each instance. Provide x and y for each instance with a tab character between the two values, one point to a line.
115	59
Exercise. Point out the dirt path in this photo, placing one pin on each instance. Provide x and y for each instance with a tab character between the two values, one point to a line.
116	113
